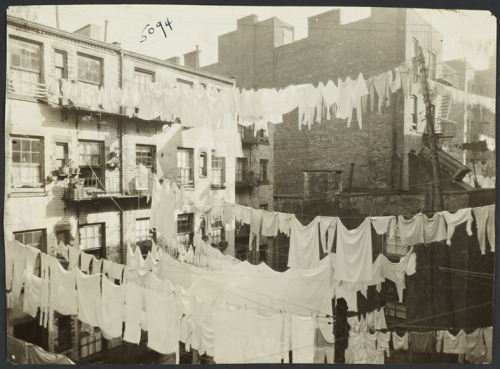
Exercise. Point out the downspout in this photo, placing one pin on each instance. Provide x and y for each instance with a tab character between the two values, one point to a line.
122	166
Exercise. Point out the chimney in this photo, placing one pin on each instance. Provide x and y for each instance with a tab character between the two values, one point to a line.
57	16
106	30
192	59
249	20
174	60
91	31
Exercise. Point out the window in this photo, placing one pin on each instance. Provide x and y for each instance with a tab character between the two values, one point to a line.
217	231
91	237
62	236
184	229
91	160
63	333
27	162
91	341
34	238
25	61
143	235
61	64
145	155
90	153
264	206
89	69
218	167
392	305
431	64
143	77
185	167
263	170
202	165
246	133
414	48
242	174
414	112
61	154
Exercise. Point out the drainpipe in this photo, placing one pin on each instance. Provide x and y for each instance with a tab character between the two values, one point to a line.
57	17
122	165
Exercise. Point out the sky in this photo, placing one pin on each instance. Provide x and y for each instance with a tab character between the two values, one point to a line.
466	33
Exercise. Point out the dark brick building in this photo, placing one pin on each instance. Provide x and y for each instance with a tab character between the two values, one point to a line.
381	169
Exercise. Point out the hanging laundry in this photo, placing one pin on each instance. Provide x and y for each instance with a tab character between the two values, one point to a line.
133	303
327	225
304	245
96	265
385	225
354	253
411	231
32	294
434	228
229	342
228	213
265	333
364	356
63	295
379	318
383	342
475	347
302	339
455	219
37	355
19	255
163	335
269	224
400	342
285	223
74	257
395	84
454	344
381	84
396	271
422	342
370	322
89	298
85	260
488	341
323	350
330	94
357	91
112	309
63	250
485	223
370	340
255	228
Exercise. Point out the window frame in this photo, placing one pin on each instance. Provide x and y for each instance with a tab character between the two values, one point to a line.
101	69
184	235
180	169
242	170
65	157
143	72
217	226
263	178
40	60
20	164
64	69
217	169
96	331
394	245
393	307
67	344
42	248
102	236
203	165
144	149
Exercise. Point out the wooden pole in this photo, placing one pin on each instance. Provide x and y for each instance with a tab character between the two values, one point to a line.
432	137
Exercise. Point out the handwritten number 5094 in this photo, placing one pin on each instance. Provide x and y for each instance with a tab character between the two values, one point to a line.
151	30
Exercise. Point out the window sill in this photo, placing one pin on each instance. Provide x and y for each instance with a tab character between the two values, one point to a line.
214	187
27	192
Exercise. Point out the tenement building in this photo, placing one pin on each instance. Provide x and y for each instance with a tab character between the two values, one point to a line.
78	165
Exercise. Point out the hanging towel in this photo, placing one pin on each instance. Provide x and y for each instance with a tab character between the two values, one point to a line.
112	309
453	220
423	342
454	344
475	347
396	271
354	253
370	340
133	303
85	260
32	294
302	339
96	265
89	298
163	335
379	317
411	231
74	257
304	245
265	333
63	294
